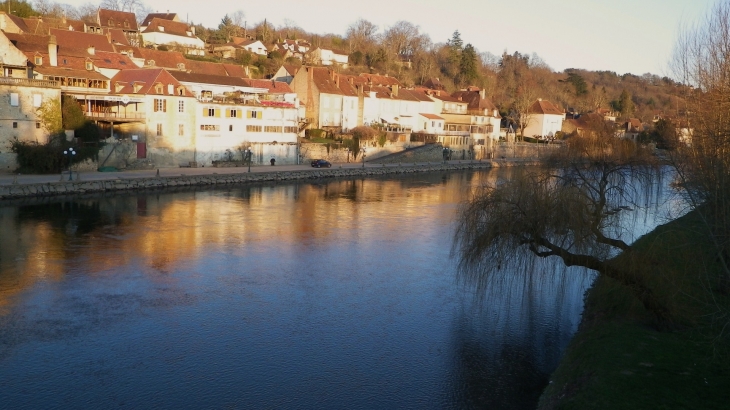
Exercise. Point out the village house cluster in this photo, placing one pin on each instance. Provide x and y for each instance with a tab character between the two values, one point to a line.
177	110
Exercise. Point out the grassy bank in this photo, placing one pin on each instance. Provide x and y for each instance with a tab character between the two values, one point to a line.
621	358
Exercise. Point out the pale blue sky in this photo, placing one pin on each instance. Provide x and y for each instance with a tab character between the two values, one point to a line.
634	36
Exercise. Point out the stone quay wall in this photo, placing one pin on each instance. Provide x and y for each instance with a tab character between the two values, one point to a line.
132	184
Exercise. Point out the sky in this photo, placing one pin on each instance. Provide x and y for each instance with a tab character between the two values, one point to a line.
625	36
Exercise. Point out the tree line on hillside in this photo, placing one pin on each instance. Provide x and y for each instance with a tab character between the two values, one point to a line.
513	80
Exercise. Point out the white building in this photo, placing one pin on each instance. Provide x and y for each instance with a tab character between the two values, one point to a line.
544	119
328	57
174	34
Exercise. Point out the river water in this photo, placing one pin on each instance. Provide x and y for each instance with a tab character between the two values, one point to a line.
340	294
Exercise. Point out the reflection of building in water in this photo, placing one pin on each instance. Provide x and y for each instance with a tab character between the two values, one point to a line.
161	231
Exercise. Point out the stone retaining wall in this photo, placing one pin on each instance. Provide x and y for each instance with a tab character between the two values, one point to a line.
82	187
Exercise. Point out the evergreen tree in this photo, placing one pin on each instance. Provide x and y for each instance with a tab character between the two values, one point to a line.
625	104
468	67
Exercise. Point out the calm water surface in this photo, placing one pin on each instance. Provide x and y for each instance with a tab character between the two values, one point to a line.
333	295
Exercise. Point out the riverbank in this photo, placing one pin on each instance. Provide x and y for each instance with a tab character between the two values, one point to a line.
619	360
25	186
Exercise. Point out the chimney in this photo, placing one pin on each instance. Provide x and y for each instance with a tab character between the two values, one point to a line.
483	94
91	50
192	29
52	51
394	90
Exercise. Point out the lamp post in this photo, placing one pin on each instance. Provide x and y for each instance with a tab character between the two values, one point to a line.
248	155
348	154
70	152
363	157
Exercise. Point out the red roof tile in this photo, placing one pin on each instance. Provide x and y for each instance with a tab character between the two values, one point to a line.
82	41
430	116
118	19
175	28
147	78
161	16
544	107
276	87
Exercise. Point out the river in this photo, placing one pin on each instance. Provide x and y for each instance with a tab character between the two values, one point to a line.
338	294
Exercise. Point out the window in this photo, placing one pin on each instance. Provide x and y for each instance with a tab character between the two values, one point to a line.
291	130
160	105
126	24
272	128
211	112
181	106
89	65
14	99
230	128
111	22
233	113
158	88
171	89
159	130
254	114
37	100
204	127
181	130
37	125
15	125
433	123
325	102
38	60
253	128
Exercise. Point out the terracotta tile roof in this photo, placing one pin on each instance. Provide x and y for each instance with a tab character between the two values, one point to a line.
430	116
544	107
28	42
475	100
118	19
117	36
276	87
291	69
205	67
327	83
209	79
81	41
377	79
117	61
147	78
161	16
448	98
234	70
175	28
156	58
76	25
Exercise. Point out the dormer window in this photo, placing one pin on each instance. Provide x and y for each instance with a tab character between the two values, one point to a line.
38	60
126	24
118	87
89	65
180	66
189	33
158	88
137	87
180	91
151	63
111	22
160	28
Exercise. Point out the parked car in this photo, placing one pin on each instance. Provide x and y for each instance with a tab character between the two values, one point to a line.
321	163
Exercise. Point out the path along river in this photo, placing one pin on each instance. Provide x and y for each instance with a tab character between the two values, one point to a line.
338	295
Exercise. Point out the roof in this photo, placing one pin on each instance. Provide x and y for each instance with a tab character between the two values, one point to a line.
81	41
147	78
117	19
430	116
378	79
544	107
276	87
161	16
209	79
156	58
327	82
117	36
118	61
205	67
291	69
175	28
448	98
475	100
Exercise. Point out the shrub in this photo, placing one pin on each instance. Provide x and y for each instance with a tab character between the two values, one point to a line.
364	133
48	158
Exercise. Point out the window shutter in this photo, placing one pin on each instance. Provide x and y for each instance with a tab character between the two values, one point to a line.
164	105
155	103
205	112
218	112
248	114
228	113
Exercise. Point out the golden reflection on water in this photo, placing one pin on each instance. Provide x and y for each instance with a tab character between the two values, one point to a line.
162	230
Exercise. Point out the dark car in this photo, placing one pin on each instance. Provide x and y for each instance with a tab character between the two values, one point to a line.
321	163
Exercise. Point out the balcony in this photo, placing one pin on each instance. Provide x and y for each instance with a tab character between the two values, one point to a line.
116	116
29	82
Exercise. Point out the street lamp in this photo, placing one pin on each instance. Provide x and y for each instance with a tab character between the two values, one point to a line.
248	155
363	157
70	152
348	154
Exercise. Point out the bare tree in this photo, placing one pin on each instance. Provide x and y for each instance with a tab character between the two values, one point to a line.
362	35
702	63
